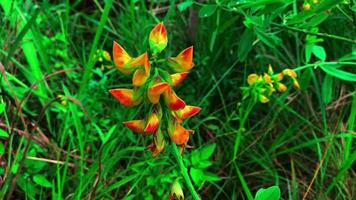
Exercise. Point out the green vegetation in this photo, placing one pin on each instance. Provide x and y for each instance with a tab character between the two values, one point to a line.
62	134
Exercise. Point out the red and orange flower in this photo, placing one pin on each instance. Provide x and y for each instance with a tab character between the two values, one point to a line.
165	114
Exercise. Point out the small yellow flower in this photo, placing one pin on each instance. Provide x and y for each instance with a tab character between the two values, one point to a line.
290	73
296	84
306	6
252	78
281	87
263	99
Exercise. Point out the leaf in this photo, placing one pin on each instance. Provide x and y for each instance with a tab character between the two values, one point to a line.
271	193
245	44
304	80
333	70
207	151
308	52
207	10
319	52
203	164
269	39
41	180
3	134
184	5
2	148
212	41
208	176
197	175
327	89
2	108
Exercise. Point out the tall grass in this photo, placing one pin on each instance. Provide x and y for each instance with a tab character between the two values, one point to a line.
61	132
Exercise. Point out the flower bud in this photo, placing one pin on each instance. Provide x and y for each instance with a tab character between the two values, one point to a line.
176	191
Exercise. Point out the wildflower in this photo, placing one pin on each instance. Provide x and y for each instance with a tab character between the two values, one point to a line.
158	38
252	78
178	133
126	97
307	6
183	62
263	87
176	191
178	78
165	114
290	73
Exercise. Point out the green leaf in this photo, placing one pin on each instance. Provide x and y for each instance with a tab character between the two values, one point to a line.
271	193
184	5
207	151
308	52
3	134
2	148
304	80
338	73
245	44
197	175
269	39
2	108
319	52
203	164
212	40
208	176
327	89
207	10
41	180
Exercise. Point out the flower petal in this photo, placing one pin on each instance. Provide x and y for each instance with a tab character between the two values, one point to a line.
158	38
155	91
125	96
136	126
139	77
179	134
290	73
157	146
152	123
172	100
178	78
281	87
187	111
183	62
252	78
121	58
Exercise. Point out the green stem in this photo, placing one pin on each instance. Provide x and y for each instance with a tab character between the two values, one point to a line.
184	173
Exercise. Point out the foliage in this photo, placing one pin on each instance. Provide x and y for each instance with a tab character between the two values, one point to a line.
61	132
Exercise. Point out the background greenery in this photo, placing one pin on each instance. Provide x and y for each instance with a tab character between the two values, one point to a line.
61	132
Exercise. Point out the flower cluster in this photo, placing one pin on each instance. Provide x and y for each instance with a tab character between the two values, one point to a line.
308	4
153	82
264	86
103	59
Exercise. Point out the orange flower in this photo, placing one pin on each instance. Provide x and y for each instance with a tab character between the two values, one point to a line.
126	97
158	38
281	87
124	62
172	100
157	146
141	75
252	78
179	134
187	111
152	123
136	126
178	78
155	91
290	73
295	84
183	62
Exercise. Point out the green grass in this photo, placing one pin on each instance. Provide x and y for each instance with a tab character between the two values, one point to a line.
61	131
